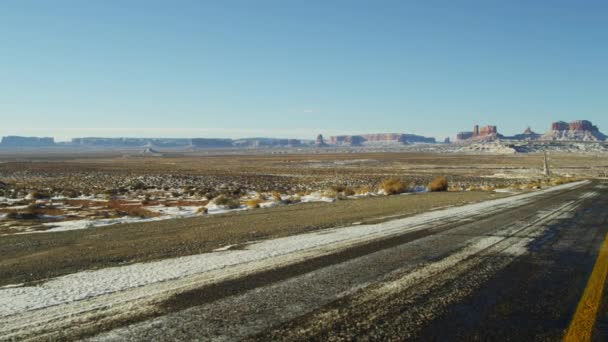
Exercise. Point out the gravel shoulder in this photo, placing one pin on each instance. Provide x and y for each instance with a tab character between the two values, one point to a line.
36	257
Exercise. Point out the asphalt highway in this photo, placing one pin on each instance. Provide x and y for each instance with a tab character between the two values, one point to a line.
535	271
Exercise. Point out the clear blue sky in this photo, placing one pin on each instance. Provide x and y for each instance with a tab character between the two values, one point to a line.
294	68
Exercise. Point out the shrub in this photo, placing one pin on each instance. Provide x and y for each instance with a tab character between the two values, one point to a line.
37	194
138	186
69	193
438	184
276	196
254	203
227	202
393	186
130	210
349	192
563	180
330	194
362	190
338	188
110	193
210	195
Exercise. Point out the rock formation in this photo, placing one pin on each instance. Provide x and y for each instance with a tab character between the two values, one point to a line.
579	130
346	140
484	133
319	142
528	134
461	136
16	141
211	143
379	139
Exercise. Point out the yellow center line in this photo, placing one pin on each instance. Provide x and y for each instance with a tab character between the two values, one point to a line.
581	327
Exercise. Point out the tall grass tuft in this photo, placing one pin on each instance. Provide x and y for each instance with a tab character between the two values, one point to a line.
438	184
393	186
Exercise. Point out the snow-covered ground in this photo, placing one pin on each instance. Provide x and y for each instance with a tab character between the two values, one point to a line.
91	284
168	212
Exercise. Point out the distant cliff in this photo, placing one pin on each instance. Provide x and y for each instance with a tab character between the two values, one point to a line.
16	141
131	142
379	139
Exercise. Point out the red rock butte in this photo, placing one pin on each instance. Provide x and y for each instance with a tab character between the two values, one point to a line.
578	125
484	131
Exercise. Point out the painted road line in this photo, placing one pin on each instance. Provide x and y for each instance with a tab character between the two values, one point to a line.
581	327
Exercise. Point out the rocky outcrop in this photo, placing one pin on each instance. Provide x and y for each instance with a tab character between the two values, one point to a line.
462	136
319	142
560	126
579	130
528	134
488	132
483	131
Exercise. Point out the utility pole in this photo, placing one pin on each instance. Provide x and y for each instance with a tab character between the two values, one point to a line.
546	171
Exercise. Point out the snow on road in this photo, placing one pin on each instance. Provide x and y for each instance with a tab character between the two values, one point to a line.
89	284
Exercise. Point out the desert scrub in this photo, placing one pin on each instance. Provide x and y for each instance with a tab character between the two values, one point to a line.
363	190
563	180
130	210
254	203
349	192
276	196
227	202
39	194
393	186
438	184
338	188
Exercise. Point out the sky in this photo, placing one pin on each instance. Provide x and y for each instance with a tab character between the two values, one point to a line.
298	68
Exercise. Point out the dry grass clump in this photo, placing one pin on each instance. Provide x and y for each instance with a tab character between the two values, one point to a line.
38	194
329	193
340	191
363	190
254	203
227	202
563	180
276	196
130	210
393	186
438	184
337	188
349	192
532	185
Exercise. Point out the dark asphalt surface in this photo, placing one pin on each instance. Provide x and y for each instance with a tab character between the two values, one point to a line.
517	275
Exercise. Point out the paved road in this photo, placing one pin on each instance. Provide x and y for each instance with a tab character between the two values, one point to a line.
517	274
